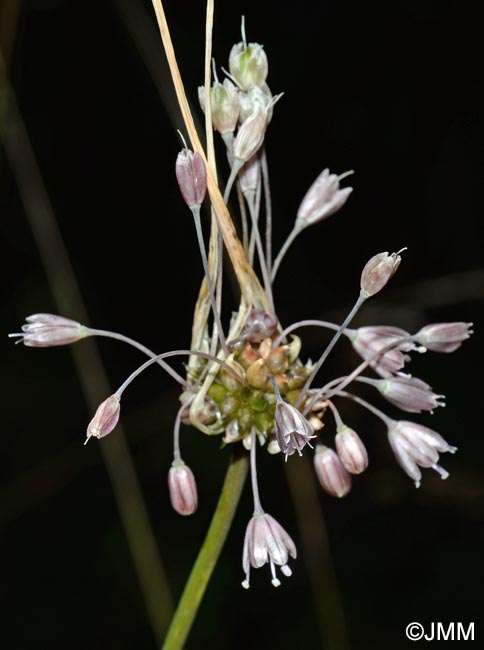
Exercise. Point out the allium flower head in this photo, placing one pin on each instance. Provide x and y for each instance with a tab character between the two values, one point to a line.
293	430
323	199
266	541
183	488
248	64
415	445
444	337
47	330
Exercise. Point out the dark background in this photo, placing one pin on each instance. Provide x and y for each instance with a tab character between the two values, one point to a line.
392	90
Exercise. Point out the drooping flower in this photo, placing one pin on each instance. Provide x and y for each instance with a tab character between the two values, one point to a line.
417	446
293	430
48	330
266	541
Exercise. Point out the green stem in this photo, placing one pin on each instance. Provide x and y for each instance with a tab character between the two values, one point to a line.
209	553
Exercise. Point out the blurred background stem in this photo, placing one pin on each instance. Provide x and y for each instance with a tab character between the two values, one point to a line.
92	376
209	552
316	554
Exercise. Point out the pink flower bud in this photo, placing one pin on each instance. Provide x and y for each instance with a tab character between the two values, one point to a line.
415	445
323	199
409	394
47	330
183	488
105	419
248	65
351	450
378	270
259	326
367	341
266	541
191	176
250	135
444	337
224	104
331	472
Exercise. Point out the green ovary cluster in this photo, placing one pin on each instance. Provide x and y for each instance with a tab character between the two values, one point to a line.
238	408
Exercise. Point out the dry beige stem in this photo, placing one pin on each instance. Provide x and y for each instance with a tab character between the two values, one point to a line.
249	284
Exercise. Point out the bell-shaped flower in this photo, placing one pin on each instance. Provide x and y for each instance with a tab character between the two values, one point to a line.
417	446
293	430
266	541
368	341
408	393
248	64
444	337
323	199
224	105
48	330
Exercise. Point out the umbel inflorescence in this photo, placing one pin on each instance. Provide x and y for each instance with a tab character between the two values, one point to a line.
248	381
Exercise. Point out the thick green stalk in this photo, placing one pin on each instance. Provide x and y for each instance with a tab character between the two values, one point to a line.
209	553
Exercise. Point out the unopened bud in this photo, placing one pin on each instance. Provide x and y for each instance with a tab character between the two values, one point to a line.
323	199
48	330
331	472
183	488
378	271
259	326
444	337
351	450
224	104
191	176
105	419
248	65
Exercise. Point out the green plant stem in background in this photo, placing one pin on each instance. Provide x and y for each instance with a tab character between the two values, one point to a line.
92	376
317	555
209	552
